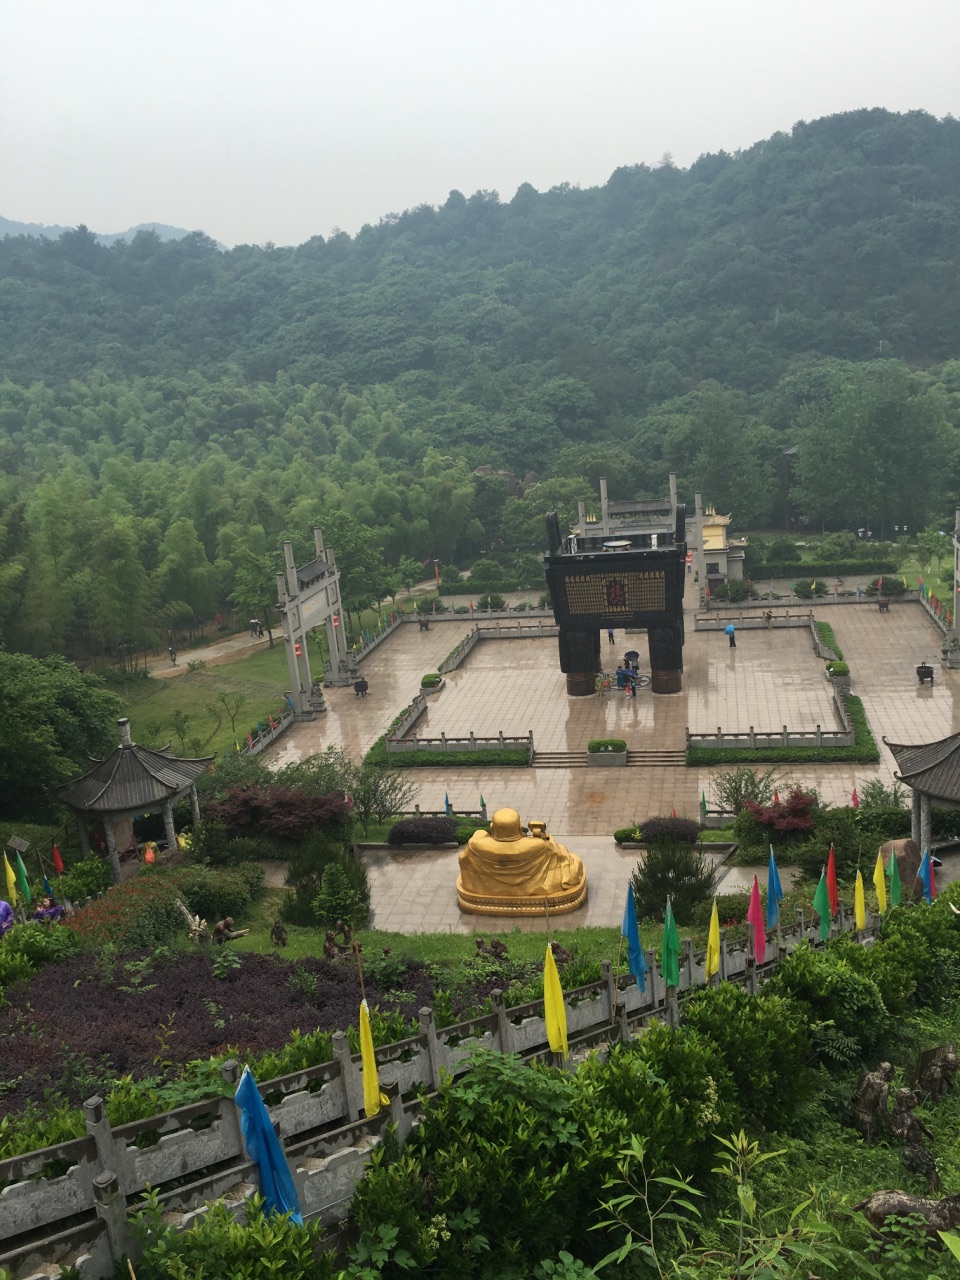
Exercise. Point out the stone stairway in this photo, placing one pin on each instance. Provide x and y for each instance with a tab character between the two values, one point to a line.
635	760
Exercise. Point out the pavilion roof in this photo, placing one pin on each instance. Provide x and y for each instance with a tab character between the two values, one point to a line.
132	777
930	767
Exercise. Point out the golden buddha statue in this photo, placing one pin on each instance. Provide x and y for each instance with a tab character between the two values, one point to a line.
507	873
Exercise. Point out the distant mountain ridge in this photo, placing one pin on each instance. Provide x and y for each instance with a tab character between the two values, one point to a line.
40	231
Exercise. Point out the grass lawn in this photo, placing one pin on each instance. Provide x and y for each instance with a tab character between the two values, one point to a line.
447	949
152	704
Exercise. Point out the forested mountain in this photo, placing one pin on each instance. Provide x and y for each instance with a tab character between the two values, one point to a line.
9	227
174	409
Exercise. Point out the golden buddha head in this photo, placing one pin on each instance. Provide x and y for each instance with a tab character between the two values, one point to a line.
505	825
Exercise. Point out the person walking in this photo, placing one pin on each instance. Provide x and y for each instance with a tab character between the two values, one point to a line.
610	639
730	631
173	655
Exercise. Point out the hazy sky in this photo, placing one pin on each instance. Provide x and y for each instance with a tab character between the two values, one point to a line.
256	120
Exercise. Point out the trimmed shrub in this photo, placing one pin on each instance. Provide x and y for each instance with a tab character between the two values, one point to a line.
864	750
85	879
823	569
837	669
731	910
598	745
430	680
671	830
826	637
212	895
423	831
467	826
735	591
378	755
892	586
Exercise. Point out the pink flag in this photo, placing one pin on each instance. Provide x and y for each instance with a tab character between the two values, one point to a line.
250	739
776	797
755	917
854	798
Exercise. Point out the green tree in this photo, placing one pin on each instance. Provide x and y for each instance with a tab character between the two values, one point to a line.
53	720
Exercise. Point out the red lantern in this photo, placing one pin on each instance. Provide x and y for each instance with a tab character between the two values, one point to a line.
297	649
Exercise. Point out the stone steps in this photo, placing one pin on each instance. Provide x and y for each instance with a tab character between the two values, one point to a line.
662	759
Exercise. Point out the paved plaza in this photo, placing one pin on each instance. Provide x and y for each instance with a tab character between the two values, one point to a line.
772	678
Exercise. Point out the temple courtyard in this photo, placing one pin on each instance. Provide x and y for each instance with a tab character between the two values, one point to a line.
772	678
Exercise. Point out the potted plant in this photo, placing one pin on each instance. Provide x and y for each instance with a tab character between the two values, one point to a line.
607	753
432	682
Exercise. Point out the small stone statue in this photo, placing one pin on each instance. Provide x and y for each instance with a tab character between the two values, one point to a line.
937	1077
871	1104
911	1130
223	931
278	934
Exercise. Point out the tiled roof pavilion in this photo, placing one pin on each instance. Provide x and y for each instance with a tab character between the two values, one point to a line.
932	771
130	781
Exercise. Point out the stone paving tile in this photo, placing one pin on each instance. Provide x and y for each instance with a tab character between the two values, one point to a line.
429	880
770	679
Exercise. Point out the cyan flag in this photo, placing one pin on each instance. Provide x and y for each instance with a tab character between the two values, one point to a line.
263	1146
447	806
926	877
636	960
774	892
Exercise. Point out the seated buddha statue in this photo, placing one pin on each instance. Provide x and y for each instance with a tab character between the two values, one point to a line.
508	873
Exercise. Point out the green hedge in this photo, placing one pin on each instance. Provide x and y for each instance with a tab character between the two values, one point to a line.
431	759
823	569
826	637
864	750
598	745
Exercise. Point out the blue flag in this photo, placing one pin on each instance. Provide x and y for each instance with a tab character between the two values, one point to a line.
447	806
925	875
48	892
774	892
289	702
636	960
260	728
263	1147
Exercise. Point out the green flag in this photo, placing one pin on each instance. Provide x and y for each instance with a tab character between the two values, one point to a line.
703	808
821	905
23	882
670	951
893	871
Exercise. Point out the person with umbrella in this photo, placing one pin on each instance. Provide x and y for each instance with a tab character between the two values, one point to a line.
730	631
631	660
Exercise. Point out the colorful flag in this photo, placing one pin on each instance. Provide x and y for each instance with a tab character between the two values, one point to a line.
712	963
880	884
670	950
859	903
832	889
821	905
674	814
554	1010
250	738
893	871
483	803
57	861
776	796
46	887
636	960
925	876
854	798
774	892
879	583
273	723
447	807
263	1147
22	881
755	917
703	808
373	1099
11	882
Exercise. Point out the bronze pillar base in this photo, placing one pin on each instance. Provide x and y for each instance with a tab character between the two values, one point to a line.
665	681
581	683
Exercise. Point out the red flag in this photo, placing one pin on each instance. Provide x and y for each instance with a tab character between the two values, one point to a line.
879	583
674	813
776	797
854	798
832	890
755	917
706	591
57	861
471	606
272	722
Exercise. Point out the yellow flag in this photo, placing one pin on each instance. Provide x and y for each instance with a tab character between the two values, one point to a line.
880	884
11	882
373	1099
713	943
859	905
554	1010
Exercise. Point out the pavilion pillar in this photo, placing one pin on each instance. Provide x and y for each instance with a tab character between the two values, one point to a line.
926	822
194	806
112	853
82	836
169	829
915	817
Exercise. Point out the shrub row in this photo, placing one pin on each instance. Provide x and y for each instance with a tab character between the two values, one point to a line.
597	745
826	637
671	830
822	569
423	831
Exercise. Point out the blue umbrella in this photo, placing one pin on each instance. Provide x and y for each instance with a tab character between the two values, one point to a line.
263	1146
